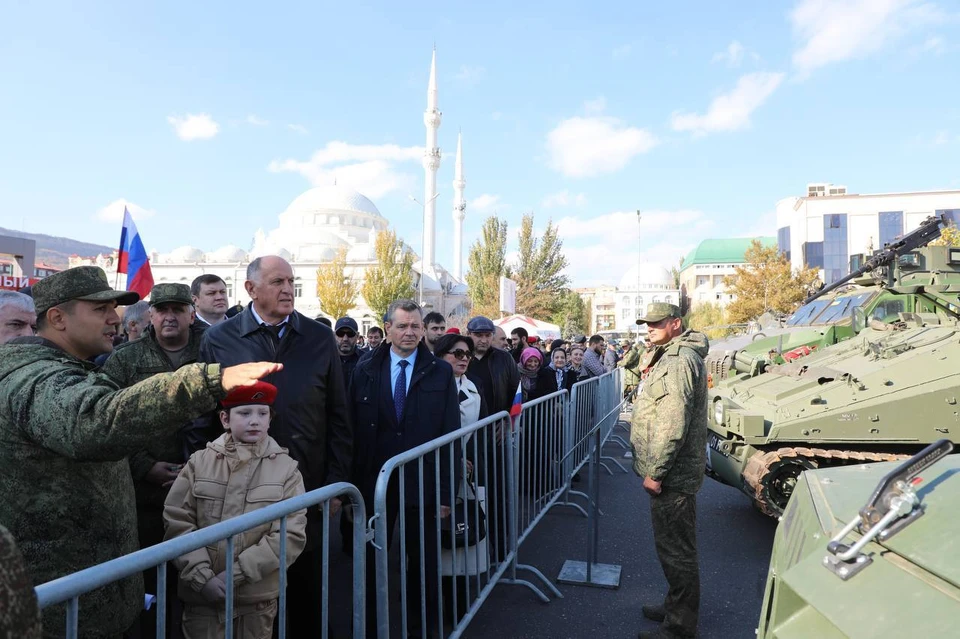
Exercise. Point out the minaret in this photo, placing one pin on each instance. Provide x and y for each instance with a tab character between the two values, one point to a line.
431	162
459	211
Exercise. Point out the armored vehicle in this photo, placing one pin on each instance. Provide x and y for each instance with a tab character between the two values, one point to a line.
826	317
892	571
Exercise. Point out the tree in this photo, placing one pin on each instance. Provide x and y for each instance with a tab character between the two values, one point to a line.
706	317
571	314
391	279
766	283
540	278
487	262
336	290
950	236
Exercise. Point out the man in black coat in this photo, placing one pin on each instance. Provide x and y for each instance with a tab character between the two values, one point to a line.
401	397
311	418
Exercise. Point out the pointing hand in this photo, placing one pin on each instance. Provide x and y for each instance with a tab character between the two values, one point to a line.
247	374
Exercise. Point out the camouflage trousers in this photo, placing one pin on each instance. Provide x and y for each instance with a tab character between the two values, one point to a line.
674	517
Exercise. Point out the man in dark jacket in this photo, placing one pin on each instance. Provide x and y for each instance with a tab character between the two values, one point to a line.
347	335
401	397
310	410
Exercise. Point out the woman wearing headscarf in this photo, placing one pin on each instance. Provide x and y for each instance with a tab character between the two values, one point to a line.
555	376
529	367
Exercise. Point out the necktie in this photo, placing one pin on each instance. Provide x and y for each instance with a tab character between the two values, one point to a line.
274	331
400	390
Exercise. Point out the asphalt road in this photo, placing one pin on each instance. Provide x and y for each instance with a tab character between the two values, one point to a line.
734	546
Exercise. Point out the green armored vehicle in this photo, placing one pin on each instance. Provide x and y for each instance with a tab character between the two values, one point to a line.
826	317
879	396
892	571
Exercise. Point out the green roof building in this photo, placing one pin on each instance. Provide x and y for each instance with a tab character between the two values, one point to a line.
703	270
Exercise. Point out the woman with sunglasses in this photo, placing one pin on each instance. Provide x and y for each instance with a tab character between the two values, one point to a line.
457	350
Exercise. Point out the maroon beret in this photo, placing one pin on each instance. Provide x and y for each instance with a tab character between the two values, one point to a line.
259	393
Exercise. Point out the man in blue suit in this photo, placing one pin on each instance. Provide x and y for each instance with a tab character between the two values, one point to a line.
401	397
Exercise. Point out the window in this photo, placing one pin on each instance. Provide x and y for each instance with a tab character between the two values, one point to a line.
813	254
856	261
891	227
626	301
834	247
783	241
640	302
297	288
668	299
953	215
655	300
625	313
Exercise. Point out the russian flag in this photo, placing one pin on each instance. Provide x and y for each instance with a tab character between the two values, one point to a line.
133	258
517	406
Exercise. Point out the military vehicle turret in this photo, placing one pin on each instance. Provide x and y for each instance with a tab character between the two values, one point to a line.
892	571
878	396
826	317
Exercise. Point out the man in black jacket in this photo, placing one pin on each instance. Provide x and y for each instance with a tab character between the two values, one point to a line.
311	418
401	397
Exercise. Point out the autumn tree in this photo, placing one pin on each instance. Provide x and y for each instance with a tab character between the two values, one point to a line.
949	236
765	282
570	314
336	290
487	262
392	277
540	265
708	317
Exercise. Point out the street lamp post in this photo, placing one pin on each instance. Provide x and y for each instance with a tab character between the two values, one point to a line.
639	260
423	239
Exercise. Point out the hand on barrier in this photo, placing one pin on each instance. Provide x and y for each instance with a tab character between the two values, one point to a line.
247	374
651	486
163	473
444	512
335	505
215	590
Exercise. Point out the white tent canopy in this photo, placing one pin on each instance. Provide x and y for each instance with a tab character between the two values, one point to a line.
535	328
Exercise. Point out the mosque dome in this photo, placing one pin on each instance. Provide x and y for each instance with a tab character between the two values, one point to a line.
653	277
185	254
228	253
332	198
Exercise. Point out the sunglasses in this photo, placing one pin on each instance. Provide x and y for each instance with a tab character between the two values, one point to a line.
347	333
460	354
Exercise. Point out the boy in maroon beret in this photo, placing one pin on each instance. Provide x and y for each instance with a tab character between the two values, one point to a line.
242	471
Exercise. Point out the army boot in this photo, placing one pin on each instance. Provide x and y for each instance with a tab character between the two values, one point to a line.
654	613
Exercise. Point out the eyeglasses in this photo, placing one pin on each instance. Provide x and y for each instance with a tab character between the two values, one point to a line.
461	354
346	333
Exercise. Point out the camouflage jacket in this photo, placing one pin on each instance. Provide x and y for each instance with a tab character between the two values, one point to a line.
631	366
19	614
669	426
132	363
65	433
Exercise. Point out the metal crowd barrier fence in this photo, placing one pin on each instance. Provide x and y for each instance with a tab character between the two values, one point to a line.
611	395
70	588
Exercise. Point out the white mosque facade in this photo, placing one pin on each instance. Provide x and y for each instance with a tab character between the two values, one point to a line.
316	225
614	309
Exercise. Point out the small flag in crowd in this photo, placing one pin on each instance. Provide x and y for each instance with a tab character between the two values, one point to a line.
133	258
516	407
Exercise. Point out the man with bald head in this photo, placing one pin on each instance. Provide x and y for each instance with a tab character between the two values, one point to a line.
311	406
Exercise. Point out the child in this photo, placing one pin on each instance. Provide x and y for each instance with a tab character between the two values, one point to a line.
242	471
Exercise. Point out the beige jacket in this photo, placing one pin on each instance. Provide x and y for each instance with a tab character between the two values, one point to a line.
225	480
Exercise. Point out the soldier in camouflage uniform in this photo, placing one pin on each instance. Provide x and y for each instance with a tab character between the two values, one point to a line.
19	614
669	438
171	341
65	433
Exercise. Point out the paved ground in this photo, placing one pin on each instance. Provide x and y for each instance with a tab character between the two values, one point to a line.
734	542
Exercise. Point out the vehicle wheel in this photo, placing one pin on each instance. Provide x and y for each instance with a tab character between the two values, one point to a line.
781	479
758	336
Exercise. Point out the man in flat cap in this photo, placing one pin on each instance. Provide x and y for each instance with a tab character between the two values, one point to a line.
171	341
669	438
66	430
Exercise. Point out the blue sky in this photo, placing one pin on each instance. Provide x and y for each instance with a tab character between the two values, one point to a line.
209	118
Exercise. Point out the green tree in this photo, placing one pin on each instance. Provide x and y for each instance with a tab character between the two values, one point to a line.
950	236
571	314
540	277
707	317
336	290
392	277
765	282
487	262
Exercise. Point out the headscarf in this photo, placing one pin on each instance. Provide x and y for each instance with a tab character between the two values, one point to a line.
528	379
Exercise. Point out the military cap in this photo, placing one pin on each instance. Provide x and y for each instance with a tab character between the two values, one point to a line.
167	293
480	324
88	283
259	393
659	311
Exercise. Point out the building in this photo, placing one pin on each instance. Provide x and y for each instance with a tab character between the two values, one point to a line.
614	309
705	267
315	226
834	230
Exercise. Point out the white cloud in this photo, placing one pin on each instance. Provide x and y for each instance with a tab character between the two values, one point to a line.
564	198
837	30
194	127
595	106
588	146
483	203
298	128
732	56
368	168
113	212
621	52
941	138
470	76
933	44
731	111
253	120
496	115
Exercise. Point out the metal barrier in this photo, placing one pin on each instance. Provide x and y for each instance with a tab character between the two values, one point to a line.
69	588
611	395
540	456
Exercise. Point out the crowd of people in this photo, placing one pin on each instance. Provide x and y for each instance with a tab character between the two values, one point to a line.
204	412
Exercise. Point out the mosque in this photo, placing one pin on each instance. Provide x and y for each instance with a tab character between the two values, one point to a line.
321	221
